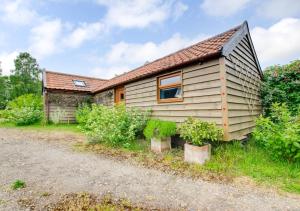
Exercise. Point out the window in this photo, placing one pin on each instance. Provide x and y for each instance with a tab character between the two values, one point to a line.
79	83
169	88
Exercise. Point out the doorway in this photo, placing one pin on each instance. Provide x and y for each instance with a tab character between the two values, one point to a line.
119	95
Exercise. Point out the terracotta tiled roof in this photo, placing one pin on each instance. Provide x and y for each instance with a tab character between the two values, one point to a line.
198	52
62	81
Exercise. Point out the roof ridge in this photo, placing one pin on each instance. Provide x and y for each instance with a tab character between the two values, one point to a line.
182	49
60	73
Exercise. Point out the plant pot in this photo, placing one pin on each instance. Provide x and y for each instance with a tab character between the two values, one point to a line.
196	154
160	144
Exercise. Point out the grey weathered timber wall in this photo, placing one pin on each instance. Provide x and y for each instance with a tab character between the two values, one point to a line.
65	104
105	98
242	83
201	93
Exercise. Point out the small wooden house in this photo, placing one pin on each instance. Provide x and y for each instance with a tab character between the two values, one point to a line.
216	80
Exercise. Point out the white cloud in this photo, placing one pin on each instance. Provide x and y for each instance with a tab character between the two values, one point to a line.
44	38
125	56
134	53
137	13
7	61
223	8
279	9
108	72
83	33
17	12
278	44
52	36
179	9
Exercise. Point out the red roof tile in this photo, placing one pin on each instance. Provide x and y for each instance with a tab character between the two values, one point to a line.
198	52
62	81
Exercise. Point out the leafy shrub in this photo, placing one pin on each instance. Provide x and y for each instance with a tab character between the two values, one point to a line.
25	110
115	126
58	115
18	184
197	132
159	129
279	133
282	84
82	113
4	116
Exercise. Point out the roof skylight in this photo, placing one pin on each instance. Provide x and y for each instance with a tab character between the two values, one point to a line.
79	83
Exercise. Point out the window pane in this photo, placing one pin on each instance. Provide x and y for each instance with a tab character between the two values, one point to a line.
171	80
79	83
170	93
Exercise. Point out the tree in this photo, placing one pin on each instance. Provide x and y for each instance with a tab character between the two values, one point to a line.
25	78
4	91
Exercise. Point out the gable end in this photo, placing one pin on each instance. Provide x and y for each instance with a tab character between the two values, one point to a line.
242	33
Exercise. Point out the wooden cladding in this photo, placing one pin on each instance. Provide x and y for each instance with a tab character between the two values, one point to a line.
169	88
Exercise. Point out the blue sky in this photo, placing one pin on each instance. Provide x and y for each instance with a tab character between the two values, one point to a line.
107	37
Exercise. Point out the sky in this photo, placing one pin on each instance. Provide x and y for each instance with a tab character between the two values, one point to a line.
103	38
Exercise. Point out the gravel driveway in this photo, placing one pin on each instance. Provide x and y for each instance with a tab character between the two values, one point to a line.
49	166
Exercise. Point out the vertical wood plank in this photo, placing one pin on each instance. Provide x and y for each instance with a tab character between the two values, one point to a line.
46	108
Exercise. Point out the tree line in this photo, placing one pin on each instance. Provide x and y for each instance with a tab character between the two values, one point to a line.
25	78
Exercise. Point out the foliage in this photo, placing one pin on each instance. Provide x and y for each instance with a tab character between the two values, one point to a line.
250	162
25	77
198	132
4	91
116	125
159	129
279	133
82	113
282	84
25	110
4	116
18	184
57	115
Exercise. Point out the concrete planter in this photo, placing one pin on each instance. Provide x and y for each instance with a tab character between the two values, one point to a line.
196	154
160	145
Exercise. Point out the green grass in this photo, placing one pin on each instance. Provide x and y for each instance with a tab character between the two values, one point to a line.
18	184
237	160
44	127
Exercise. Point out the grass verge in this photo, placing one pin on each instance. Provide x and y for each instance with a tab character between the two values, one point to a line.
44	127
229	162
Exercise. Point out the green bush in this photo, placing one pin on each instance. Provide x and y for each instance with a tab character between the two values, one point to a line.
4	116
25	110
156	128
282	84
82	113
117	126
197	132
279	133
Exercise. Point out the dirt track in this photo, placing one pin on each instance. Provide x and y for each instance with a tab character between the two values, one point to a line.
49	166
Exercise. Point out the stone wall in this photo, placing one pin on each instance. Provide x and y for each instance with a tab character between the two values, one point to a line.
105	98
64	105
